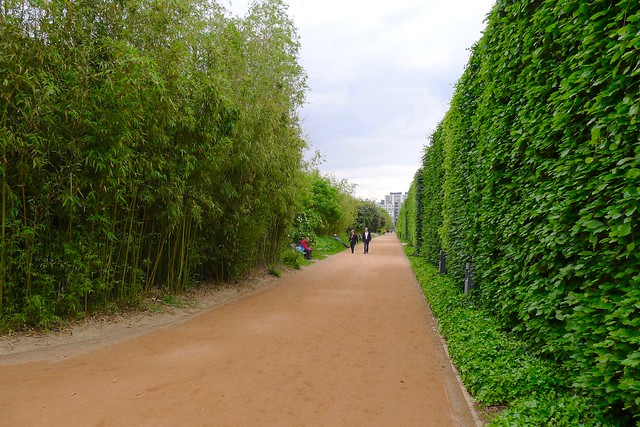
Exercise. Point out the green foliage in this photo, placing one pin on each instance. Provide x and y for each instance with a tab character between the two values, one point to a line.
432	199
328	245
455	147
406	221
385	221
305	225
292	258
348	203
38	312
369	215
327	204
539	180
172	301
552	410
498	369
418	222
274	271
141	149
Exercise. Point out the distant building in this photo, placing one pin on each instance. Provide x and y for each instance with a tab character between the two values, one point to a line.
392	203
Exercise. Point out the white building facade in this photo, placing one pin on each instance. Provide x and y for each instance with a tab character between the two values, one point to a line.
392	203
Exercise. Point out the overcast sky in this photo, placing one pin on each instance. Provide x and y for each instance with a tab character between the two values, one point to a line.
381	74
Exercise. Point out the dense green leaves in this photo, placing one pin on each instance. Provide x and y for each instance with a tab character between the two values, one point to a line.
406	222
371	216
432	198
144	145
327	206
497	368
540	185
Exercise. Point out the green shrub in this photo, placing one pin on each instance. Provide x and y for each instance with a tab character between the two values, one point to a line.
274	271
551	410
497	368
40	312
292	258
324	246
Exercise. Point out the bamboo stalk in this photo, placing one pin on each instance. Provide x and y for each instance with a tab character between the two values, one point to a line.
171	268
128	246
137	255
28	240
184	265
106	269
4	216
182	252
152	275
71	214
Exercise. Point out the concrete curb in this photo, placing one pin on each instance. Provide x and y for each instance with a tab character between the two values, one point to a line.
467	396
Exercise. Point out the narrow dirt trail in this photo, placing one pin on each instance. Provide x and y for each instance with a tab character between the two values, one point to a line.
347	341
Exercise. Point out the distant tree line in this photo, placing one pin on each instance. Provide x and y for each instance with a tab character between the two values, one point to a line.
533	177
329	206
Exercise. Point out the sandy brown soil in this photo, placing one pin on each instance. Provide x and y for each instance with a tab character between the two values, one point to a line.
86	334
347	341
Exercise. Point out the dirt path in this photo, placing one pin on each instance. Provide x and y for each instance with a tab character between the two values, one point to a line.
348	341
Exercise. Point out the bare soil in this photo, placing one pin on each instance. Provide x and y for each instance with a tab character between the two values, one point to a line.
347	341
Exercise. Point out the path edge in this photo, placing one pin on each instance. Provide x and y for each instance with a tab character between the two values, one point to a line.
467	396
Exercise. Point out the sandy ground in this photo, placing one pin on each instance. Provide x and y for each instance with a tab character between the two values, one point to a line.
347	341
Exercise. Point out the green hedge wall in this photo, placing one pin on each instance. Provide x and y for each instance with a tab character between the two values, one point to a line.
432	196
459	141
541	178
405	223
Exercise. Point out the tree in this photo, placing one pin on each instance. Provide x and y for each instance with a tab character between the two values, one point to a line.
368	216
386	222
326	206
143	146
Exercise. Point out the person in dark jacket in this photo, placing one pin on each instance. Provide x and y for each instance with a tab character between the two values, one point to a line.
353	239
366	238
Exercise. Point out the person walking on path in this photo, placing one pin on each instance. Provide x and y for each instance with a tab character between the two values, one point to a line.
366	238
353	239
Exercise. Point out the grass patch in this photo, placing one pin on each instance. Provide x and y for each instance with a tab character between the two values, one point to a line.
173	301
292	258
274	271
325	246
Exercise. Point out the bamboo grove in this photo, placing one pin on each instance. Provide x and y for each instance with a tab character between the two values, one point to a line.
533	176
144	144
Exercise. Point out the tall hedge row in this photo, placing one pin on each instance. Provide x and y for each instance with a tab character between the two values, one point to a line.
540	183
143	144
432	198
406	221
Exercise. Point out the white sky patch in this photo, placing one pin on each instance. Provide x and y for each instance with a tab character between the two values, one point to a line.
381	76
377	178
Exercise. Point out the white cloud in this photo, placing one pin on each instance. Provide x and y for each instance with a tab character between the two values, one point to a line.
381	75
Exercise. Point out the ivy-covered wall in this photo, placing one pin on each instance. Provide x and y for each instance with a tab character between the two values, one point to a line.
540	180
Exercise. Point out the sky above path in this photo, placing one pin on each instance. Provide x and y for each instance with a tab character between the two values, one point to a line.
381	74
